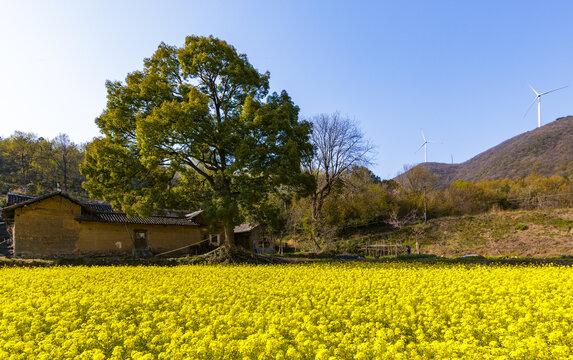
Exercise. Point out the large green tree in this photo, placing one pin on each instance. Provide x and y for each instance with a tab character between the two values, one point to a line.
194	129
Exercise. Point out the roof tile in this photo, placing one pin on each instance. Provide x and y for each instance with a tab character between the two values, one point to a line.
122	218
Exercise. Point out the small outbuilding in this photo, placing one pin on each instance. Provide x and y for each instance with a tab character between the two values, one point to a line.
254	237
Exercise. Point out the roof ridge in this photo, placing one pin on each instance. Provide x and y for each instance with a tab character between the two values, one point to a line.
94	213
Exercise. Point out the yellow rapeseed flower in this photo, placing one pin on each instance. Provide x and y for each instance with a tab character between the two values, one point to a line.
305	311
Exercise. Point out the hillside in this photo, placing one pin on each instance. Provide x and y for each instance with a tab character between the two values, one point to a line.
545	151
539	233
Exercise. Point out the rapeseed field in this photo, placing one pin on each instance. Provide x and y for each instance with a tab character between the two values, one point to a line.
308	311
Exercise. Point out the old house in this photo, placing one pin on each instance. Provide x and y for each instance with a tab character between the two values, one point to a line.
248	236
254	237
58	225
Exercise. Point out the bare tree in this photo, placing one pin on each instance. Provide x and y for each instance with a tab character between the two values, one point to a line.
339	145
399	222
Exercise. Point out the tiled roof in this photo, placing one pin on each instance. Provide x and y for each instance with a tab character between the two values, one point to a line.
244	228
10	209
14	198
104	208
99	207
122	218
101	212
104	213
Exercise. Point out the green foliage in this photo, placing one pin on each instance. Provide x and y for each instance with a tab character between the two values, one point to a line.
192	129
357	198
521	227
36	165
468	198
562	223
358	203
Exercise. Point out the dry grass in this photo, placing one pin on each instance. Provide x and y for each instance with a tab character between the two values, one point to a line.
547	233
545	151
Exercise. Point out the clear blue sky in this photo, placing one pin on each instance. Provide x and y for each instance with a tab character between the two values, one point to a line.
459	70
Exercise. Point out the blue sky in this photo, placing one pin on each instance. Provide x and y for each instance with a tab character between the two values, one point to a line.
459	70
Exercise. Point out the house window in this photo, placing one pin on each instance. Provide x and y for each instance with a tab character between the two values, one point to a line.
140	239
214	239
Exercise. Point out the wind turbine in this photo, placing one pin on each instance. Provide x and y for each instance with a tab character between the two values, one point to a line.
425	145
538	99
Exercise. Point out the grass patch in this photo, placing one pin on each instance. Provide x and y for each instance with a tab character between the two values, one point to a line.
521	227
562	223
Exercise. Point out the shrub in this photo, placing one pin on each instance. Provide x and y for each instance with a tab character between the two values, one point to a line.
521	227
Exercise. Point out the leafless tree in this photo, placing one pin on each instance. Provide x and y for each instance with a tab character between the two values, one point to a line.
339	145
399	222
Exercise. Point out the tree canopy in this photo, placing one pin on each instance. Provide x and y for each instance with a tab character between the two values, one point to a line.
35	165
194	129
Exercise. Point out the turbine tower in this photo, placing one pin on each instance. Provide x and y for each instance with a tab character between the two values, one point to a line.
538	99
425	145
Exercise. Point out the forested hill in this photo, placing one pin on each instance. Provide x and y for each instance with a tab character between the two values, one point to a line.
545	151
34	165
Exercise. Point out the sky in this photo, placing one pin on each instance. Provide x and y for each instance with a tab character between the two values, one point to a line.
458	70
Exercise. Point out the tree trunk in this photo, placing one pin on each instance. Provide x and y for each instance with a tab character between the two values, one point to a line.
65	163
314	220
229	234
314	212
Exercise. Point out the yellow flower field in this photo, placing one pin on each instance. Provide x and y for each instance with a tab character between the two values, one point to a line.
318	311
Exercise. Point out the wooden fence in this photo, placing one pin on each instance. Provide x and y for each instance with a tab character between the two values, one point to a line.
377	250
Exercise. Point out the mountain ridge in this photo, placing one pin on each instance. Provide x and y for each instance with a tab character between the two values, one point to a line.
545	151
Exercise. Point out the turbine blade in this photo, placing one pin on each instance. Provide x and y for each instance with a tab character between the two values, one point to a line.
535	91
423	137
547	92
529	107
421	146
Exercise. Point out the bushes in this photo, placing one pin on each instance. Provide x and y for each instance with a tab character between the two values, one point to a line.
521	227
361	201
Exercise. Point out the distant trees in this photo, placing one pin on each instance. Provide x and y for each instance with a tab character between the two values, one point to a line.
360	201
22	151
415	179
531	192
39	165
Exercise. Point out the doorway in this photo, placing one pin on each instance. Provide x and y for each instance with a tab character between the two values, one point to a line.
140	240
